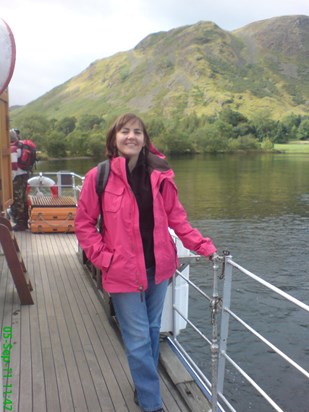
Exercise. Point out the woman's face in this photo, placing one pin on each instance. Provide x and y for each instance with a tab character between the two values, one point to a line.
130	140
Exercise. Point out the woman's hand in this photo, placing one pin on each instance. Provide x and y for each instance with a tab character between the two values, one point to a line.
213	256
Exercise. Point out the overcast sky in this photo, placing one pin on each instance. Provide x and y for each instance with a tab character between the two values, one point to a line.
57	39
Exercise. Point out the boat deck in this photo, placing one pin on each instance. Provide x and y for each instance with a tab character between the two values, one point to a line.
65	354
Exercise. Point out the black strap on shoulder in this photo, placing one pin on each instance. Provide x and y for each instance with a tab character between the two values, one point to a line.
102	176
101	182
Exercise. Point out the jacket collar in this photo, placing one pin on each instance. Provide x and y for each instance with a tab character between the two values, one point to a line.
158	168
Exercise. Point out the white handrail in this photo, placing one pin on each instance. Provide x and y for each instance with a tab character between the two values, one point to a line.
269	285
219	351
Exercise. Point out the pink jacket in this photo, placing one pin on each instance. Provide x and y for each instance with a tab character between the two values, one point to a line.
118	252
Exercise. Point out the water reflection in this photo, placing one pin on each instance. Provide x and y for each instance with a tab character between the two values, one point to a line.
243	186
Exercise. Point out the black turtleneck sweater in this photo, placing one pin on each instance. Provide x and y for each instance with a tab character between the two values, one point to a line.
139	180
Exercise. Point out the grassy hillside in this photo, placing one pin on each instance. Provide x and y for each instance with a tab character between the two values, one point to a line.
293	147
199	68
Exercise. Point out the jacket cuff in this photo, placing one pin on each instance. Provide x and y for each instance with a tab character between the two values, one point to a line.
207	249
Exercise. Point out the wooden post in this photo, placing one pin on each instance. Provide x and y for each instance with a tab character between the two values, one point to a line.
6	188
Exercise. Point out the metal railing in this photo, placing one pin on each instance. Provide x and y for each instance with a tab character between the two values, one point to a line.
66	183
220	307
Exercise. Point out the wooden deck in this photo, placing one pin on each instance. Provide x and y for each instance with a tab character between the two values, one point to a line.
65	355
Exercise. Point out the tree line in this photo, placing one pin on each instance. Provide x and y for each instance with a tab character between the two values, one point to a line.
227	131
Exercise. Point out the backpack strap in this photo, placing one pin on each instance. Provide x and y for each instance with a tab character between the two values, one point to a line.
101	182
102	176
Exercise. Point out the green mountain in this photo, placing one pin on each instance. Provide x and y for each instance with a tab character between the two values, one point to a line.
198	68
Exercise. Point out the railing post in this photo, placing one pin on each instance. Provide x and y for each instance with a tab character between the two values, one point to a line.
214	342
74	185
174	305
226	302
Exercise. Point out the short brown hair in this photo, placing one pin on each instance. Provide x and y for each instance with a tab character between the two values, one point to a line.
111	150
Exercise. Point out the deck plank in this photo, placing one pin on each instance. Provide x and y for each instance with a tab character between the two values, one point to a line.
79	316
64	335
68	335
94	329
45	324
66	354
11	317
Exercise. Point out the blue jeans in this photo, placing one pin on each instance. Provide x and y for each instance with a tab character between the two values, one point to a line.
139	317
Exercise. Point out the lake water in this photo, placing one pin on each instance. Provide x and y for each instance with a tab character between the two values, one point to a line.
257	207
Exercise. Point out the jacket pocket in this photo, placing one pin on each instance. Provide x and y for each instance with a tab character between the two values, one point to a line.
107	260
112	200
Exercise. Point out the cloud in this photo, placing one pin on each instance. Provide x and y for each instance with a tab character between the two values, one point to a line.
58	42
227	14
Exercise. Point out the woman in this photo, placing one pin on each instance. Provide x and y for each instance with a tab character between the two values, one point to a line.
134	250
